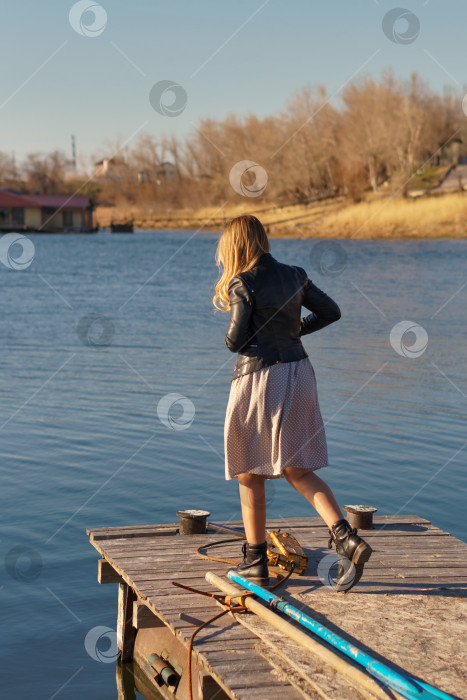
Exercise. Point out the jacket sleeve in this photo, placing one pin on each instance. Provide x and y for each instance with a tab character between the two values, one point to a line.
241	305
324	310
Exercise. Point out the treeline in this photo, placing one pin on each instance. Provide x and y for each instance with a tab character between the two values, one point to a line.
381	133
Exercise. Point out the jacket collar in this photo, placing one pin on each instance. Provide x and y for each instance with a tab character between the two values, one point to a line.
265	257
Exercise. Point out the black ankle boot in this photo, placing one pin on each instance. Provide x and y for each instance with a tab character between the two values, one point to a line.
255	563
352	553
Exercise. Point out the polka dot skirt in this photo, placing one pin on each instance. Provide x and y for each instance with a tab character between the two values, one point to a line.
273	421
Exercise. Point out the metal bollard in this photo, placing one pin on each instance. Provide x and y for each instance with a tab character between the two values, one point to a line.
360	517
192	522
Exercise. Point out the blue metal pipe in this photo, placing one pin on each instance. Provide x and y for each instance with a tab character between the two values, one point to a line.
406	686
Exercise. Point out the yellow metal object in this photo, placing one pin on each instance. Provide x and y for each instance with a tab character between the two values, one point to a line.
284	550
237	599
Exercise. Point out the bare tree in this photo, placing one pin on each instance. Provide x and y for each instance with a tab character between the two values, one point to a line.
46	174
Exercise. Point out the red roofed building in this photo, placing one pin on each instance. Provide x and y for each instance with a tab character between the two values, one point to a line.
47	213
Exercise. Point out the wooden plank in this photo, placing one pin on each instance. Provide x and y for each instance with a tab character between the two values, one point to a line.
314	528
387	565
255	686
240	644
317	521
106	573
219	655
230	628
135	536
168	543
225	628
401	537
125	631
138	566
176	559
149	541
255	664
144	570
317	550
250	661
184	576
147	589
164	545
130	531
227	551
131	528
143	617
195	616
422	575
177	598
305	535
210	689
174	548
195	579
297	522
398	541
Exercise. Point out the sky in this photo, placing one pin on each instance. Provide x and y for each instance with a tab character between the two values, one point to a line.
91	73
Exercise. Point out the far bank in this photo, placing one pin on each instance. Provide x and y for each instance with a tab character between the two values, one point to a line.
440	216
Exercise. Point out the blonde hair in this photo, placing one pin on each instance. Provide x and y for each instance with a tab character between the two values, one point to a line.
242	242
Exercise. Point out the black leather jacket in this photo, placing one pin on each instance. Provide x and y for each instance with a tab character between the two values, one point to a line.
265	307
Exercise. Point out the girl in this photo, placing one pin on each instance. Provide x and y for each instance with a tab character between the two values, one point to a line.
273	425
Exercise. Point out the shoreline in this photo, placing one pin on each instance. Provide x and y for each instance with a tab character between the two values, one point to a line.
380	216
286	235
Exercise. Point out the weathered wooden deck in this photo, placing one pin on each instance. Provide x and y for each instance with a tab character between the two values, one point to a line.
409	609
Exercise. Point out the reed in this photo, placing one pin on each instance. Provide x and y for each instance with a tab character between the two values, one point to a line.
389	215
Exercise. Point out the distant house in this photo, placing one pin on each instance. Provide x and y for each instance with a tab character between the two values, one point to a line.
48	213
116	169
165	172
18	212
110	168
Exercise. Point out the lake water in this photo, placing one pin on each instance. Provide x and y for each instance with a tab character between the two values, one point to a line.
83	445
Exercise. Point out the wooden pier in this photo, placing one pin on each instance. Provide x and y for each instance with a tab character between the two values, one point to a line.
409	611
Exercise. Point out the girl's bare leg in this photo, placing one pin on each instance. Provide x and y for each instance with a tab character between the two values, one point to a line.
253	502
316	491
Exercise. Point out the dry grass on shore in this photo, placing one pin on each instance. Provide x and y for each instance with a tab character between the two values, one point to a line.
430	217
399	216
